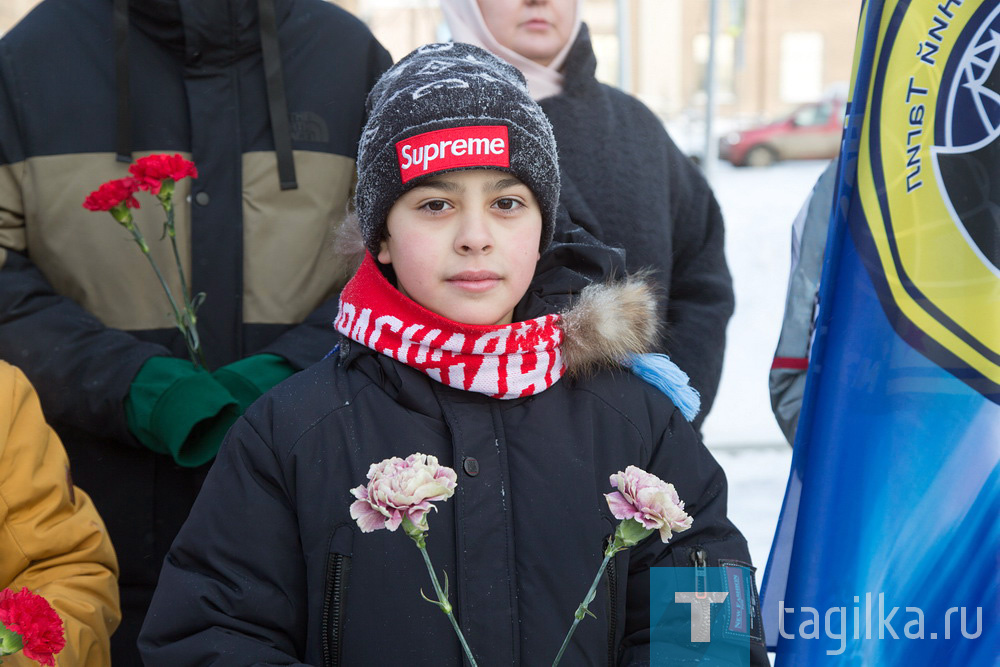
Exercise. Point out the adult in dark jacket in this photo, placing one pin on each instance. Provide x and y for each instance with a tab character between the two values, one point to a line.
271	111
270	568
624	179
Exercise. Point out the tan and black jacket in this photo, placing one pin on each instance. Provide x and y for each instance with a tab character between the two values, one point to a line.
80	310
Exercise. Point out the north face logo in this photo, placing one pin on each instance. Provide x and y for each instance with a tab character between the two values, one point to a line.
453	148
308	126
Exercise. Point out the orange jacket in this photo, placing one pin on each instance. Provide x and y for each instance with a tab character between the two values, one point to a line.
52	540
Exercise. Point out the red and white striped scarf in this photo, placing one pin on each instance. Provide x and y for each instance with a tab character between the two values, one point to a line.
502	361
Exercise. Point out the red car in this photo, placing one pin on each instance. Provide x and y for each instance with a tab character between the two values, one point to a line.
812	131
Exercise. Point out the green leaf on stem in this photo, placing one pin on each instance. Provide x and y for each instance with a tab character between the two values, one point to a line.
196	302
443	606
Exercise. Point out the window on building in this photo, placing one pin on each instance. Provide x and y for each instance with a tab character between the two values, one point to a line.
801	67
725	55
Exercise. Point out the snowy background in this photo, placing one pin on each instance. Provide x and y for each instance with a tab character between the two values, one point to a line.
759	206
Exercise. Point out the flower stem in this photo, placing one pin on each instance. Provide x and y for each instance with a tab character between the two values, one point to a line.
179	318
446	606
582	610
190	328
171	232
144	247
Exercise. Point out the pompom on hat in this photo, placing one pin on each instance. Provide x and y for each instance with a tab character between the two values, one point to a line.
446	107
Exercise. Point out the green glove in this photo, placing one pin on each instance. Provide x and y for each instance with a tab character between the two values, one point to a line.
248	378
177	409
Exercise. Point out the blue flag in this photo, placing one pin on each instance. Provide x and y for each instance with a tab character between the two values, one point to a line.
887	546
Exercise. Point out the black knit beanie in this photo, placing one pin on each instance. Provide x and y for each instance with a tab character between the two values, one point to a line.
446	107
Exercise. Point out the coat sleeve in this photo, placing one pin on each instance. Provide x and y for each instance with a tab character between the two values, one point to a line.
232	588
701	291
80	368
52	541
787	379
681	459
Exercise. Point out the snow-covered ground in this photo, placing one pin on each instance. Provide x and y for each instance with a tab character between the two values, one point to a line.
759	206
757	480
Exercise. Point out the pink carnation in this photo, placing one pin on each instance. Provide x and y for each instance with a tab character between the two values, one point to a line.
398	488
649	500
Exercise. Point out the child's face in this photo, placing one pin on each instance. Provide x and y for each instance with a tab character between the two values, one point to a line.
464	244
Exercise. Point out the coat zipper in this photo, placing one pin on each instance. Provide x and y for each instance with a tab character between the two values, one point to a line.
699	559
612	611
337	569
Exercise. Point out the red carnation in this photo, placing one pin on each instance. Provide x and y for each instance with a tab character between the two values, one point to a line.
39	626
152	170
112	194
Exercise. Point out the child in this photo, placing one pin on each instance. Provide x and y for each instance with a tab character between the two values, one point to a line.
457	194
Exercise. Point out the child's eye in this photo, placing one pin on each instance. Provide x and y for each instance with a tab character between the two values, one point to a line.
436	205
508	204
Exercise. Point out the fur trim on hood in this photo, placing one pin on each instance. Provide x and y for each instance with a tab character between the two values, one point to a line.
616	324
348	246
608	322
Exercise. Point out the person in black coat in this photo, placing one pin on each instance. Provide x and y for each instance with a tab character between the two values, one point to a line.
453	351
624	179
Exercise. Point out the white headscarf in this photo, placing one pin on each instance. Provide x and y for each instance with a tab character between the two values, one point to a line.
466	23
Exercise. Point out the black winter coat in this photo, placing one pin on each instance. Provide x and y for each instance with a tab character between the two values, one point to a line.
270	568
627	183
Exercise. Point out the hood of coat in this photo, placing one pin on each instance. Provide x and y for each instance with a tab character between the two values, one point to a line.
580	69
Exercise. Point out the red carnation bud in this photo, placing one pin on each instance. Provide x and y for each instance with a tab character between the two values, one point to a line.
112	194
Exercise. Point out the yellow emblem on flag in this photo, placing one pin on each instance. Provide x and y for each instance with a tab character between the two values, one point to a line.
929	181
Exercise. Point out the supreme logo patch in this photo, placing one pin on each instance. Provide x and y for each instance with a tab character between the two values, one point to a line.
453	148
